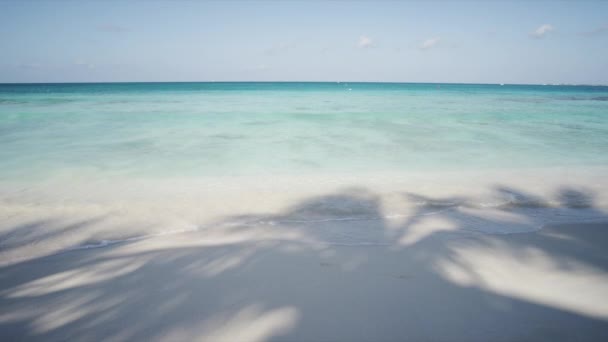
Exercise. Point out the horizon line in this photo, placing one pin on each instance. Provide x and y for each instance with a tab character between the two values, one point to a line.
360	82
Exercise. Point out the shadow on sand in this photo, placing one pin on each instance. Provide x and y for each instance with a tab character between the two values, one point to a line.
416	283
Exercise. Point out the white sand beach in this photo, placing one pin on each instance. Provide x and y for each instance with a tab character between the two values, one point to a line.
550	284
347	265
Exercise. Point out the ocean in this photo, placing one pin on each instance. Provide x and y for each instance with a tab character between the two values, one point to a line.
157	158
203	129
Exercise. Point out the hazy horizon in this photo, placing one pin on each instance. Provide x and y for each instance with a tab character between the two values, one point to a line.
297	81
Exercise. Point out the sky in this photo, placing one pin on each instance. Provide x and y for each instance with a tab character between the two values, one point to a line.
373	41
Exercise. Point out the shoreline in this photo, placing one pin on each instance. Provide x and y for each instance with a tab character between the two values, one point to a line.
44	218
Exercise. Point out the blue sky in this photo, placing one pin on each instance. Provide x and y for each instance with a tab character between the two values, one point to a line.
396	41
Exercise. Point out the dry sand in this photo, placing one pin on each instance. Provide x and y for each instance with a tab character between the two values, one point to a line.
445	286
308	260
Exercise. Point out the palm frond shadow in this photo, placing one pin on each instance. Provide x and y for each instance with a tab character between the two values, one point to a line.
290	290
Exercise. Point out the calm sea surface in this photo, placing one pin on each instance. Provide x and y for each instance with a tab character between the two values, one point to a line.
217	129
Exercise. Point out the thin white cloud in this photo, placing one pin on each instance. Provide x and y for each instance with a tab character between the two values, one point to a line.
596	31
112	28
82	63
542	31
429	43
257	68
364	42
278	49
30	65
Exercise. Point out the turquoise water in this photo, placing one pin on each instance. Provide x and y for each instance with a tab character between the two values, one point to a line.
217	129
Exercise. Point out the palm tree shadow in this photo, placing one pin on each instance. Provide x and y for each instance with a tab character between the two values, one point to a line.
320	286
